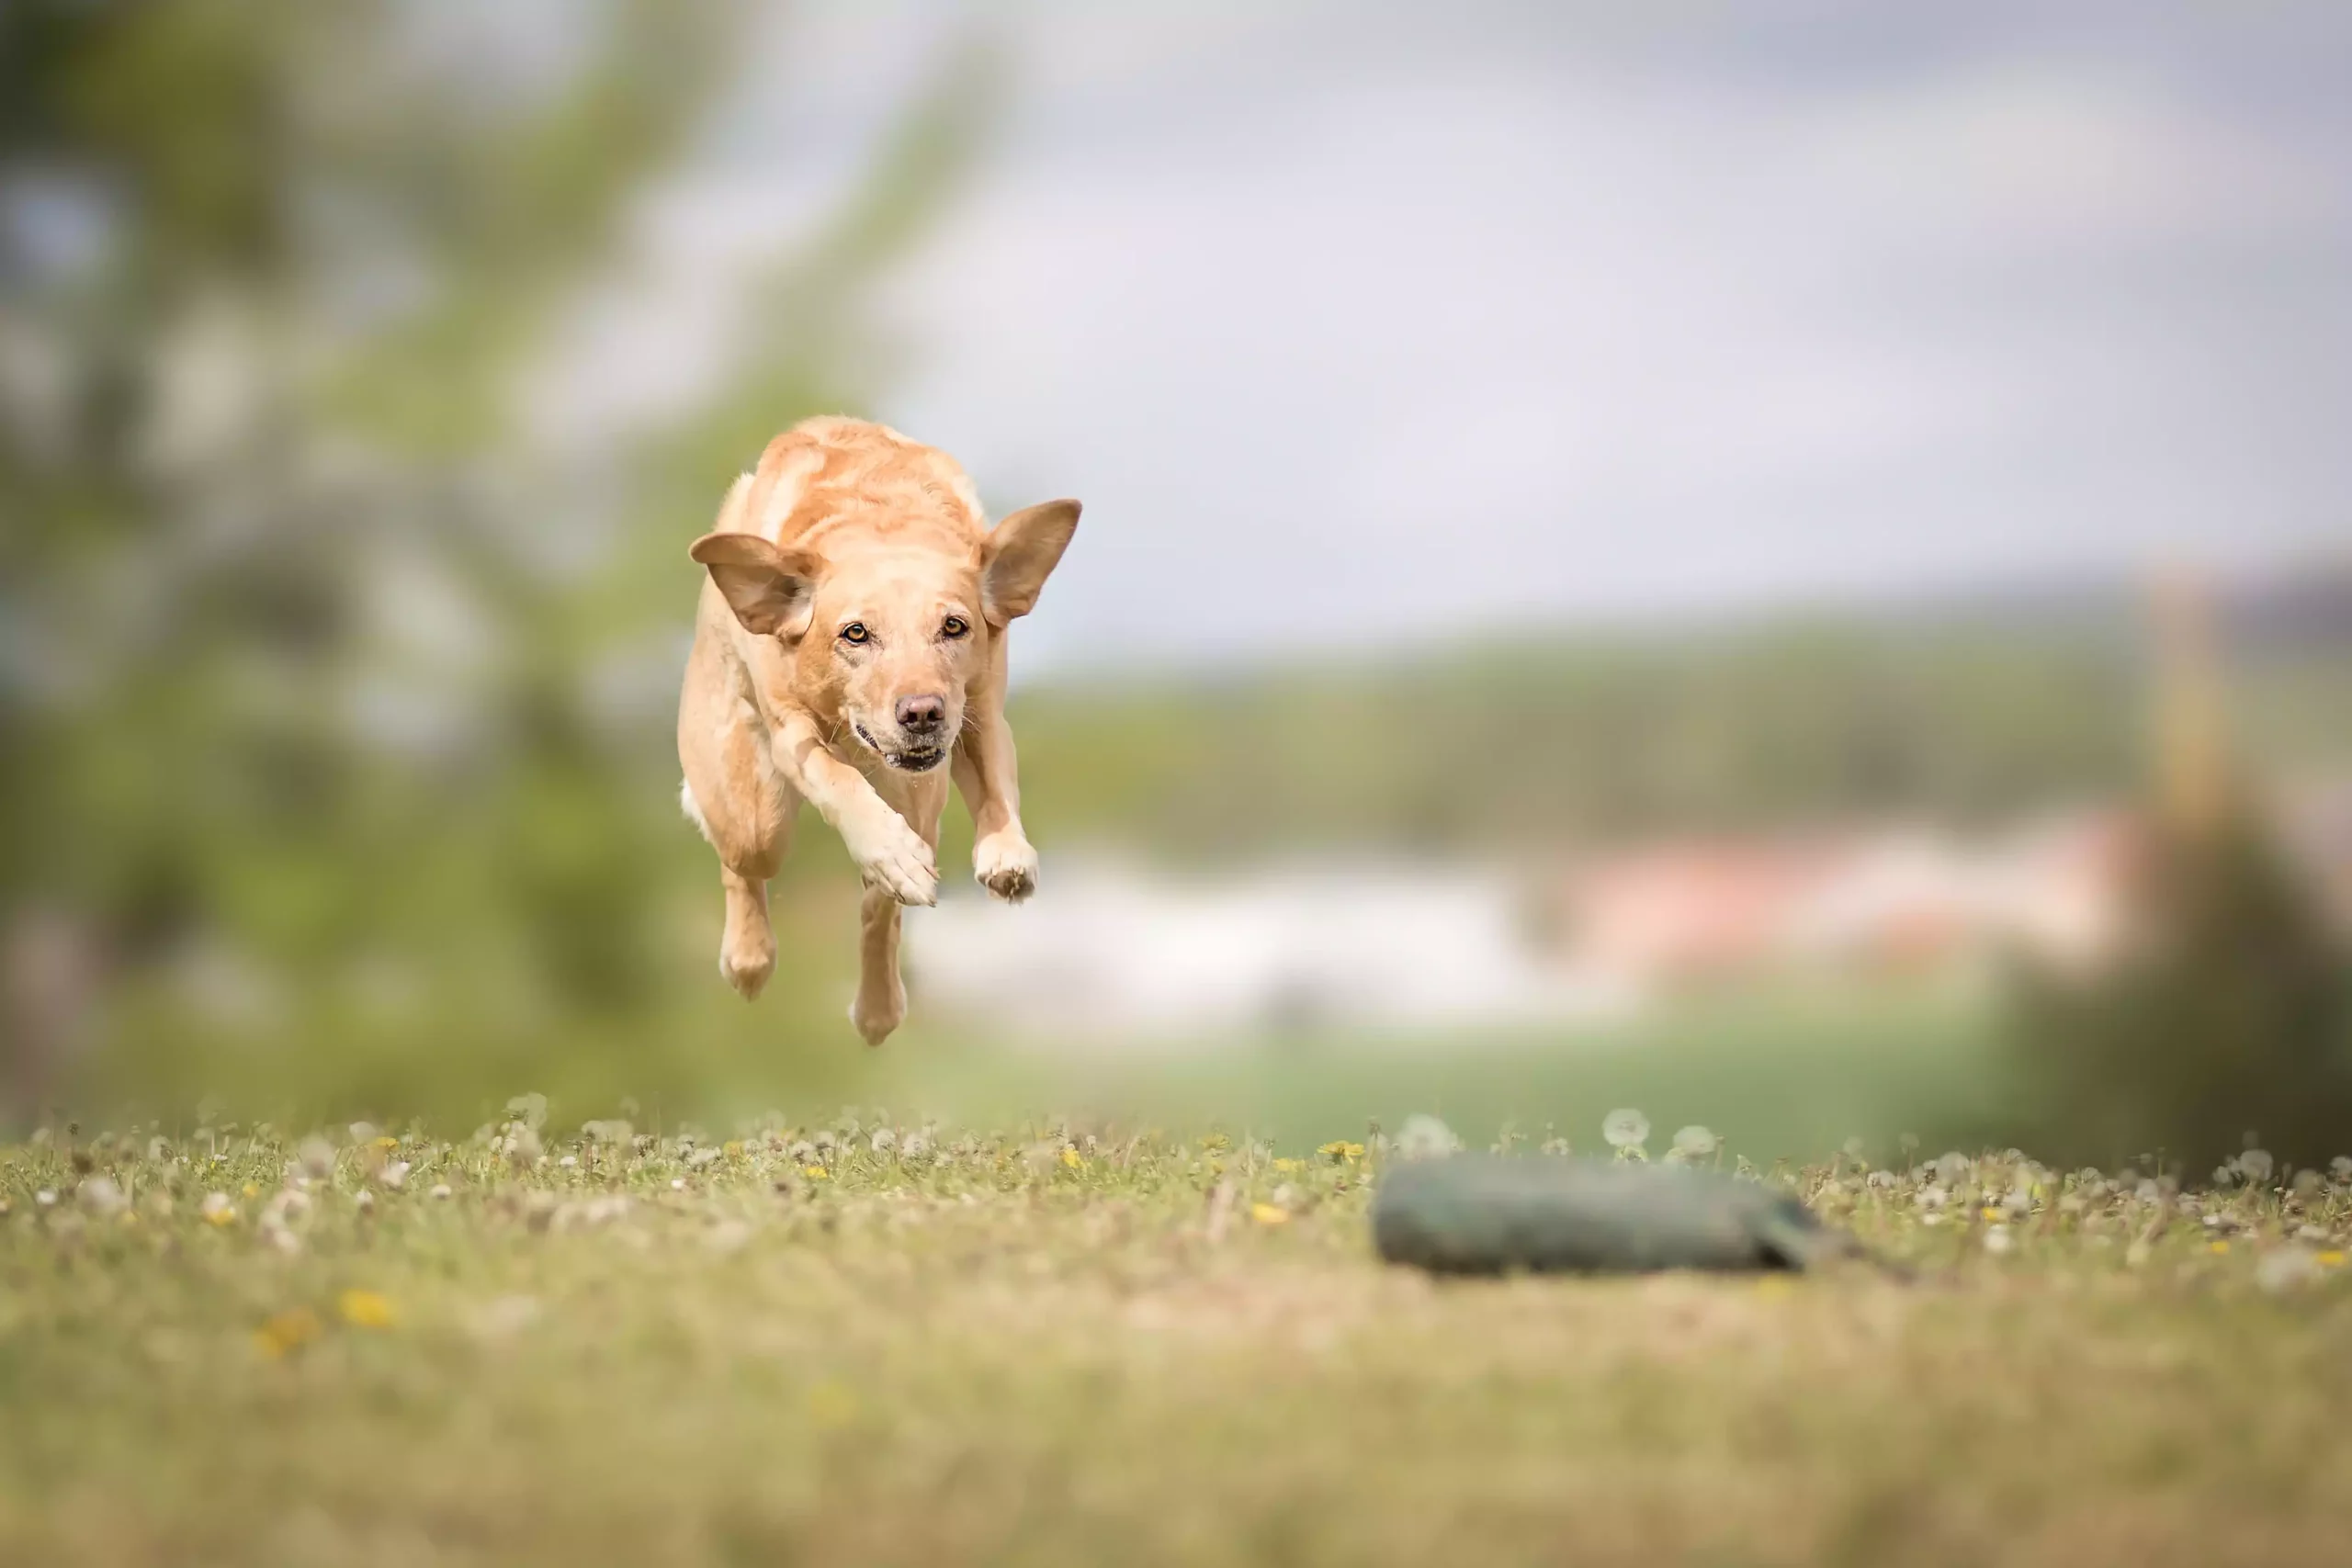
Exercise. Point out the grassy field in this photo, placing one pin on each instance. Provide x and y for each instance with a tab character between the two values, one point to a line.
1075	1344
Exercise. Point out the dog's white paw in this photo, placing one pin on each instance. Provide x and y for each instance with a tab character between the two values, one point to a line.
1006	865
892	857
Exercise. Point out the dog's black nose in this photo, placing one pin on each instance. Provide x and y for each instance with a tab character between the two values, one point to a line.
919	715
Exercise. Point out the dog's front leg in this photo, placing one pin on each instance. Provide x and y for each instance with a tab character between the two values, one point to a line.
987	776
890	854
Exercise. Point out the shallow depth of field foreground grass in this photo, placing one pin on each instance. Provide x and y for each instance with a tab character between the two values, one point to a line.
1076	1345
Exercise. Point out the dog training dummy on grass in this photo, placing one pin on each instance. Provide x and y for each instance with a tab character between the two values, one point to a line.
850	651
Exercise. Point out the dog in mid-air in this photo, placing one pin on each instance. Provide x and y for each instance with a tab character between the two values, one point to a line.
850	651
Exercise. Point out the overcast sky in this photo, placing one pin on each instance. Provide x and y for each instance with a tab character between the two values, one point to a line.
1356	321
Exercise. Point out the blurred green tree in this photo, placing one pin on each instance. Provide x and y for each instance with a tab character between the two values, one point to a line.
2228	1019
303	624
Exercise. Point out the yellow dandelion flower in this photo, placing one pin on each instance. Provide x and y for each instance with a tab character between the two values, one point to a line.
831	1405
1989	1212
1268	1214
2331	1258
1774	1285
731	1147
366	1309
1216	1141
1339	1149
251	1190
2217	1248
288	1330
816	1173
388	1142
1286	1164
1073	1159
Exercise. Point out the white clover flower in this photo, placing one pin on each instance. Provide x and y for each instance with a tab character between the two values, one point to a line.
365	1132
1625	1129
317	1156
216	1204
1998	1242
2287	1269
45	1197
503	1315
394	1175
570	1162
440	1190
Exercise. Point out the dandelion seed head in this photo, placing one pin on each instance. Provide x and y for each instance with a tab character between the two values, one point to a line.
101	1195
1426	1137
1625	1128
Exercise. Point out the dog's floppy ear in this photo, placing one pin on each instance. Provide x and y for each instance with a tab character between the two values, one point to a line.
770	590
1020	551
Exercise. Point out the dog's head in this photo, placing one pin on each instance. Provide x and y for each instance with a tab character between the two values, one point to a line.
887	633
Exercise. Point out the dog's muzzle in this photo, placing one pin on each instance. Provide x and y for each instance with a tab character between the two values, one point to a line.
905	759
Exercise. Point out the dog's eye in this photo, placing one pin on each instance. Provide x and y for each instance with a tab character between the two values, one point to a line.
954	626
855	631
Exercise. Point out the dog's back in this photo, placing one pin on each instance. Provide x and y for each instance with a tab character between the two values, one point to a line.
833	475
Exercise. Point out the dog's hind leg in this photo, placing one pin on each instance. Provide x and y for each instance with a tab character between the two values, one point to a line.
742	807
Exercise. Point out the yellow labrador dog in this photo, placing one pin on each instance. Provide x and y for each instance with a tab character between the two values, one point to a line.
849	653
